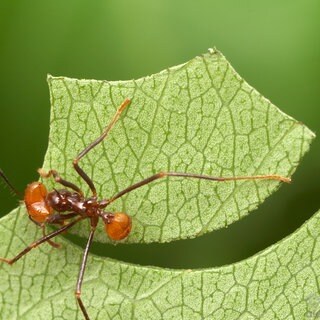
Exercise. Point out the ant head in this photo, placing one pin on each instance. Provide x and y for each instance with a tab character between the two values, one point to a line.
117	225
36	204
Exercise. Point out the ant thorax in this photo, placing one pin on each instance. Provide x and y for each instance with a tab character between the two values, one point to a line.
65	201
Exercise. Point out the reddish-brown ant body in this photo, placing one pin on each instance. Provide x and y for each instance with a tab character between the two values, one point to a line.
66	207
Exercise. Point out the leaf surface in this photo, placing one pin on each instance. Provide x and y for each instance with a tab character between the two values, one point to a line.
200	117
281	282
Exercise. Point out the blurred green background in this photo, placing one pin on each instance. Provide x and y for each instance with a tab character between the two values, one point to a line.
274	45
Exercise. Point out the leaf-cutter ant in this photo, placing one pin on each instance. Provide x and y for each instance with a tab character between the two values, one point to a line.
66	207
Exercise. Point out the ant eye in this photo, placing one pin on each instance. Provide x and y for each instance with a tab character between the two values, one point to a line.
119	226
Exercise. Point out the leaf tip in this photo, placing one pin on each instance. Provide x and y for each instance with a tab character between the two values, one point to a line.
213	50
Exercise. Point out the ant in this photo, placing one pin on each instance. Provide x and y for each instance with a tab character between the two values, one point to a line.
66	207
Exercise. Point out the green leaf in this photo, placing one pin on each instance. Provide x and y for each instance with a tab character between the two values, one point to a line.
281	282
199	117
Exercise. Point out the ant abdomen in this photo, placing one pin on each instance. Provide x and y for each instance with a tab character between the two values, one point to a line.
118	225
35	199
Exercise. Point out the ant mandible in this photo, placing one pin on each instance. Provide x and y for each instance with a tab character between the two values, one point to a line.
66	207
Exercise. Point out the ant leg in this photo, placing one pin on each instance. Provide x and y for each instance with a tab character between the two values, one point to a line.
197	176
40	241
56	219
42	226
52	243
10	185
58	179
81	273
82	174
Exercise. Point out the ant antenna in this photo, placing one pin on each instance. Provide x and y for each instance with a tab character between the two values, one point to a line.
58	193
12	188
